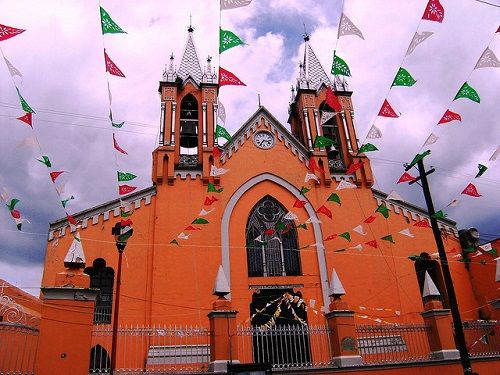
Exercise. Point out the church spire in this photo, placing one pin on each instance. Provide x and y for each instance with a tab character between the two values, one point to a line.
190	64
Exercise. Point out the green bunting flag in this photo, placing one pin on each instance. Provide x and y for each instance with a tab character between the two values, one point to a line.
126	214
228	39
322	141
12	203
346	235
200	221
280	225
418	157
403	78
108	25
124	176
340	67
439	215
366	148
221	132
388	238
304	190
414	257
303	226
117	124
334	198
383	210
174	242
64	202
482	169
467	92
213	189
26	107
45	160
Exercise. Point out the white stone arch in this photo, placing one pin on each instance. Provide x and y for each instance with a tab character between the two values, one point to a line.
318	237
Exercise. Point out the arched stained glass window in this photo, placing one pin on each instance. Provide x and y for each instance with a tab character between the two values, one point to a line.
272	244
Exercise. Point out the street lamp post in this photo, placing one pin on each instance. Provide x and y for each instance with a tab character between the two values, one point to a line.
121	234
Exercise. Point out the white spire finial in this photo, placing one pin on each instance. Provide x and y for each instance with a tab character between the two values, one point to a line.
75	257
430	289
221	287
336	287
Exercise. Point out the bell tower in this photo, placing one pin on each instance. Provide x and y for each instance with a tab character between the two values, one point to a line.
310	116
188	114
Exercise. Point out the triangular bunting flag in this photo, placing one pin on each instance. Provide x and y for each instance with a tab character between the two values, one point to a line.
117	147
313	220
27	118
346	27
64	202
330	237
221	132
54	175
210	201
214	171
24	104
200	220
304	190
213	189
367	148
7	32
359	229
403	78
482	168
494	156
487	60
290	216
190	227
183	236
467	92
388	238
340	67
334	197
111	66
374	133
453	203
345	185
422	224
393	196
231	4
325	116
125	176
313	166
434	11
71	220
311	176
449	116
12	69
221	112
299	203
302	226
125	189
324	210
370	219
418	157
417	39
439	215
354	167
12	204
174	242
346	235
406	232
322	141
204	212
358	247
405	177
431	139
109	26
332	100
46	161
372	243
383	210
228	78
471	190
387	111
227	40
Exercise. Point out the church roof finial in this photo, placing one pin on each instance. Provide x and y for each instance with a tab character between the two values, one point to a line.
190	28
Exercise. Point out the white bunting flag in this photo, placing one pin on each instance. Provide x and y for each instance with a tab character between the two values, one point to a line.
359	229
431	139
231	4
495	154
406	232
290	216
326	115
30	141
393	196
374	133
311	176
313	220
183	236
221	112
487	60
203	212
214	171
347	27
357	247
12	69
60	188
259	239
417	39
345	185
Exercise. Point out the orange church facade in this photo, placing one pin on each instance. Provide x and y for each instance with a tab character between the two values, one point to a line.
268	233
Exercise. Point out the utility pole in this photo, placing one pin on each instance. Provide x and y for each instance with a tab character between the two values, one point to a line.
455	313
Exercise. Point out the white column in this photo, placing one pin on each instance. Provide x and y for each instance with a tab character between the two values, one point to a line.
172	128
308	130
204	109
354	126
162	125
216	107
318	126
348	140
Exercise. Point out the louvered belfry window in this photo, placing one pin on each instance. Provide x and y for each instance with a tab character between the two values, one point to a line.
272	244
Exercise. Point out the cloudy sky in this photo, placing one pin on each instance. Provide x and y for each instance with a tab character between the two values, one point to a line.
61	59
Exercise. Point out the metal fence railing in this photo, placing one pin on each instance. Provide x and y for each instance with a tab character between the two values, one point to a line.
18	344
289	346
482	338
393	343
151	349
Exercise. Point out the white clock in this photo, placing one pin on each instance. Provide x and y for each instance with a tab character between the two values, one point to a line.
263	139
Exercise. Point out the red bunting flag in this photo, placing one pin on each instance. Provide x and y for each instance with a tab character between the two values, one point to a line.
7	32
471	190
299	203
15	214
330	237
498	30
369	219
449	116
434	11
190	227
406	177
372	243
422	224
111	66
126	223
54	175
269	231
209	201
324	210
332	100
354	167
125	189
228	78
216	152
27	118
387	111
117	147
71	219
313	166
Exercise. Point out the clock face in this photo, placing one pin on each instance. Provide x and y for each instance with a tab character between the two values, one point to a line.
263	139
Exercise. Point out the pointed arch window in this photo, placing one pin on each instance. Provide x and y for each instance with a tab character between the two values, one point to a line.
330	130
189	122
272	243
102	278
